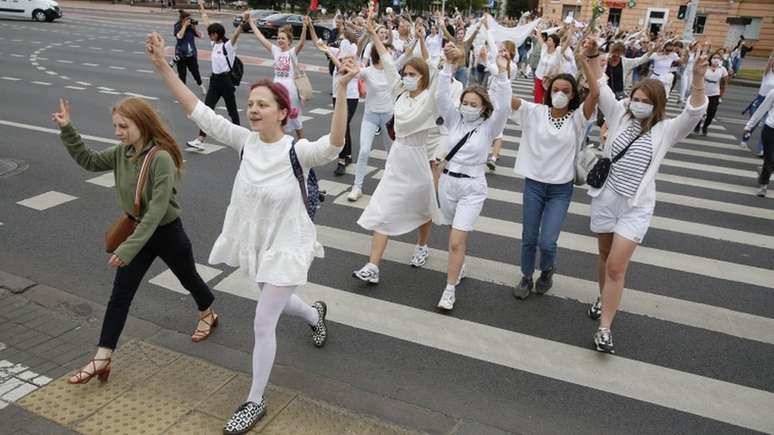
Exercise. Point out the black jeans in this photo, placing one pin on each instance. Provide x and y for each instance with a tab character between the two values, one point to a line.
768	155
712	109
190	64
171	244
346	152
222	86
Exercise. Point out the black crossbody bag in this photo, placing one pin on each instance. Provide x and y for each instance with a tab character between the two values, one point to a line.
598	173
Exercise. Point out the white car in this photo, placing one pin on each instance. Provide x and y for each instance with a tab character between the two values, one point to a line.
38	10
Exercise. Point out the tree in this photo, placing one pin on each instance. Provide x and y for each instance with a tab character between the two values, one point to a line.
514	8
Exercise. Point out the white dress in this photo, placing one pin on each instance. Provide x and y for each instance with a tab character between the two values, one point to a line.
285	74
267	232
405	197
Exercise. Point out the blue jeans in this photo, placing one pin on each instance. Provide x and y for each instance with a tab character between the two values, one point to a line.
371	122
545	206
461	75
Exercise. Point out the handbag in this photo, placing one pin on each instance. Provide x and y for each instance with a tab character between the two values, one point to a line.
598	173
237	70
440	165
125	225
302	82
585	159
390	124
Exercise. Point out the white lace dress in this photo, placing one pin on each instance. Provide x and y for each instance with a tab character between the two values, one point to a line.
266	233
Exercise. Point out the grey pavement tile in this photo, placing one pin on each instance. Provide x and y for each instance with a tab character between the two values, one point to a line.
17	420
54	325
13	308
29	313
31	339
14	283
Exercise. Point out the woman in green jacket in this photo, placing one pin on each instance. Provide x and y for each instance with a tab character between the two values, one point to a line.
159	232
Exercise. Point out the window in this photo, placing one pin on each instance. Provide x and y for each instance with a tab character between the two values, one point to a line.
753	30
571	9
698	24
614	17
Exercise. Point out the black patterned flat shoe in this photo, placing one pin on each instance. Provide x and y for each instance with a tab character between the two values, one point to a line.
245	418
320	329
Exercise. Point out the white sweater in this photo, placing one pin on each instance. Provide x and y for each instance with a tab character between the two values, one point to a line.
663	135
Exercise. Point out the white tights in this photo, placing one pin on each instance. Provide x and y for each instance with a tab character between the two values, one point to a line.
274	301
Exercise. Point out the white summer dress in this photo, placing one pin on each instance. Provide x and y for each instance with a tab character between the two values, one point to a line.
405	197
266	233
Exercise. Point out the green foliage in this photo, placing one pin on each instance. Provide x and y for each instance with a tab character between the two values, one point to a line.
514	8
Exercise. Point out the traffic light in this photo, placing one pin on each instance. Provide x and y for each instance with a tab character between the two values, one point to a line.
681	12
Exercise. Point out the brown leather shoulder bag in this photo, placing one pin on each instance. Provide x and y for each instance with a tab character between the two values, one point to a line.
125	225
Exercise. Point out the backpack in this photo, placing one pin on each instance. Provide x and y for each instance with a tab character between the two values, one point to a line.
310	188
237	70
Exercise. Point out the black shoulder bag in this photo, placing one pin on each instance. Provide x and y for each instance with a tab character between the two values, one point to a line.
237	70
598	174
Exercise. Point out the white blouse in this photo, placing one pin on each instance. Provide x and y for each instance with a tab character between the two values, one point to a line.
412	114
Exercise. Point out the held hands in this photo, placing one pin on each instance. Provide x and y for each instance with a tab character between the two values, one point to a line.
451	53
62	117
307	21
246	16
700	68
320	44
349	69
154	47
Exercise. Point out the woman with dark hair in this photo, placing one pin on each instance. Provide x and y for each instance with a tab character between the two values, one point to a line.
185	49
285	63
715	81
549	64
622	208
462	188
146	146
267	232
221	85
551	136
405	199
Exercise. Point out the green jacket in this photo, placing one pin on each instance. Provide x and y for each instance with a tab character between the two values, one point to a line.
158	204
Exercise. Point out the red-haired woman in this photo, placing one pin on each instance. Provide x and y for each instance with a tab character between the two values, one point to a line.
267	232
159	232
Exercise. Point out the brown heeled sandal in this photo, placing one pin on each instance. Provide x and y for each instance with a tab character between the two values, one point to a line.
102	374
201	335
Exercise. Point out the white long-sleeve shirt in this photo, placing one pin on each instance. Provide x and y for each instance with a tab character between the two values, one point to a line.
765	109
663	136
471	157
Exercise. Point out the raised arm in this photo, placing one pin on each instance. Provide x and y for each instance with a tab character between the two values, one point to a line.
420	36
238	30
183	28
500	94
443	94
302	39
215	125
95	161
320	44
390	72
205	18
697	89
262	39
762	111
590	103
312	31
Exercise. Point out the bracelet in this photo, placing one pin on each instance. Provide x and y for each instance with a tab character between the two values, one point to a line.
593	56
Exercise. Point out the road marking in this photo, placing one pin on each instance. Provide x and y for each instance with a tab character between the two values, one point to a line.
677	261
17	55
84	83
321	111
104	180
34	64
52	73
117	50
77	88
146	71
96	48
13	79
41	83
64	77
132	94
64	61
16	40
169	281
90	64
117	67
208	149
104	88
75	46
723	401
47	200
138	52
41	68
110	92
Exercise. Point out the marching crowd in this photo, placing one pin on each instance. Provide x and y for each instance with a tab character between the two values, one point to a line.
438	93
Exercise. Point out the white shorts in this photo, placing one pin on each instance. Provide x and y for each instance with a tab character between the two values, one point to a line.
461	201
611	213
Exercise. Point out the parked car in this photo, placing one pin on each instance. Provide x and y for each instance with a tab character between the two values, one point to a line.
271	24
258	15
38	10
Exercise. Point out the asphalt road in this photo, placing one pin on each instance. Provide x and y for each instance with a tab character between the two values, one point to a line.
694	339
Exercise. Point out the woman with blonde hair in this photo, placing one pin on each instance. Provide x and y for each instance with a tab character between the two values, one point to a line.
622	204
267	232
144	140
285	63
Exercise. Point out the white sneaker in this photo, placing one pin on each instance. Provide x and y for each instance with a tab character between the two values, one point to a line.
420	256
368	273
762	193
462	274
355	194
203	88
447	300
197	144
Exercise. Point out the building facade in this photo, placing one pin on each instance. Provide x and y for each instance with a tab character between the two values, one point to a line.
719	21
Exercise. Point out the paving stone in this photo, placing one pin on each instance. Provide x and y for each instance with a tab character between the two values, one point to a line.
26	375
17	393
10	385
31	339
310	417
15	284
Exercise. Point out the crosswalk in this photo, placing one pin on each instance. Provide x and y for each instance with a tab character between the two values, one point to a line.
704	271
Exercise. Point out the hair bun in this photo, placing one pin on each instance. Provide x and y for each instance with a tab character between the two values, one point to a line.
293	113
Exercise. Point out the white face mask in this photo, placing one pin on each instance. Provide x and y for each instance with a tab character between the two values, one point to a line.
470	113
411	83
715	62
640	110
559	100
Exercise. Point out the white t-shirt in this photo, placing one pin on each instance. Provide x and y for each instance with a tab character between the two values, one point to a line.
712	81
346	49
662	63
434	45
219	64
378	96
547	62
284	72
547	154
767	84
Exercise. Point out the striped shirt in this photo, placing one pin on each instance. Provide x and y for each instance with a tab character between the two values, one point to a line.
626	174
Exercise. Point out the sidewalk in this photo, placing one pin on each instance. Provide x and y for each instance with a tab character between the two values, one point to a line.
155	387
124	7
